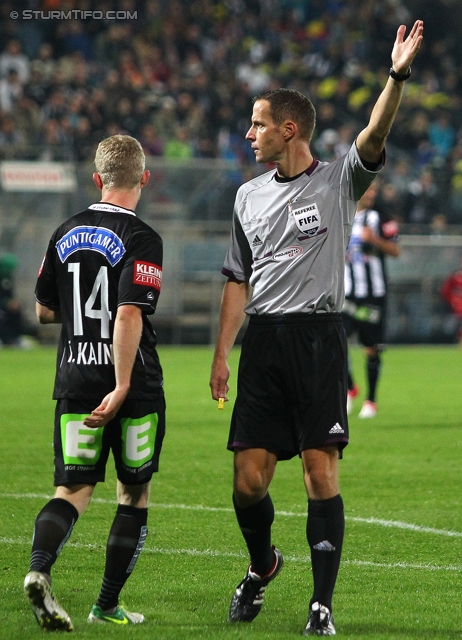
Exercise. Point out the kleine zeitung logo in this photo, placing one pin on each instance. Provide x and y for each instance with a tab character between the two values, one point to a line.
148	274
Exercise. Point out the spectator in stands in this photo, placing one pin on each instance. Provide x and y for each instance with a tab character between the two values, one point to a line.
55	106
325	145
114	91
442	136
74	37
346	135
84	145
10	90
156	71
253	76
189	114
142	114
125	116
326	117
37	87
389	201
109	43
12	59
205	148
415	130
11	139
149	140
422	201
179	147
44	63
54	143
95	108
27	120
130	72
165	118
400	176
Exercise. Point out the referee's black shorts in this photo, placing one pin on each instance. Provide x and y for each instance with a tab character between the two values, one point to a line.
292	385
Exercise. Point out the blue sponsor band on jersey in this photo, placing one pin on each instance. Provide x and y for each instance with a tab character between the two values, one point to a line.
98	239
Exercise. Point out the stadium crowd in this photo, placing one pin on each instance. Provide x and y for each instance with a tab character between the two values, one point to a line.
180	76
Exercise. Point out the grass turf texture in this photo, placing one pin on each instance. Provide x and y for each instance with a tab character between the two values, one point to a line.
400	472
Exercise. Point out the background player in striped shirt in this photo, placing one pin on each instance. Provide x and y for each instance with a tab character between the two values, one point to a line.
373	236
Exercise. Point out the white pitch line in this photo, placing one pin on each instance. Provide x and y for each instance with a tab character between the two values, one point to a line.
407	525
396	524
210	553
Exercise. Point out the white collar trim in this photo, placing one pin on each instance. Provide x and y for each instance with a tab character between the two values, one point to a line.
106	206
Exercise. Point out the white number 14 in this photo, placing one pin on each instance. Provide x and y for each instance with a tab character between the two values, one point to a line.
100	286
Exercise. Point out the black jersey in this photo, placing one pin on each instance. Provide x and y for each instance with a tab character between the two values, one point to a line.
96	261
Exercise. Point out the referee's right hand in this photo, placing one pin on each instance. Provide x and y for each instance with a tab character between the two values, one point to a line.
219	379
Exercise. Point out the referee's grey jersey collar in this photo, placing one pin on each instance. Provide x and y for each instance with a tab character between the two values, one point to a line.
307	172
111	208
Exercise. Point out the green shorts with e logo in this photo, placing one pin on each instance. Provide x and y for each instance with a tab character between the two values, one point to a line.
81	453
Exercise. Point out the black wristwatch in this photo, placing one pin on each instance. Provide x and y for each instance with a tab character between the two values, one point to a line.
400	77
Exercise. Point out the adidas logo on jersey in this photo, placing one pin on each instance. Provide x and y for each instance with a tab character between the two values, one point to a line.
325	545
256	242
336	429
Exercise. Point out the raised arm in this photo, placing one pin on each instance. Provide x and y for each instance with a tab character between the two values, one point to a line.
371	140
232	316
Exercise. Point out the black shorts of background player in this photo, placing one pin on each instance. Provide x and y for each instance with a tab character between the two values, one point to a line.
100	279
286	257
373	237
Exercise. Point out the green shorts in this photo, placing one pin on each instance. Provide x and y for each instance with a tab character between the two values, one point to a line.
134	436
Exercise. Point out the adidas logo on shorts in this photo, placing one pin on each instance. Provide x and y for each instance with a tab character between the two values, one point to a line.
256	242
336	429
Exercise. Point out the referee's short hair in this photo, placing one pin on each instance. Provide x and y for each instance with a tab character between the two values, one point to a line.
288	104
120	161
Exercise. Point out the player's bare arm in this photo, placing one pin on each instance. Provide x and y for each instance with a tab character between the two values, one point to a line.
232	316
371	140
127	334
45	315
386	246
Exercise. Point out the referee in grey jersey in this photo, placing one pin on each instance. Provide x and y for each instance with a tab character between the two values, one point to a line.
285	268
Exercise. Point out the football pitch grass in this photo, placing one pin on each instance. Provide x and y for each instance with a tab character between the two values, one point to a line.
400	479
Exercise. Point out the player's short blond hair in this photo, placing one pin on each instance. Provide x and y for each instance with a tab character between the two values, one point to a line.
120	162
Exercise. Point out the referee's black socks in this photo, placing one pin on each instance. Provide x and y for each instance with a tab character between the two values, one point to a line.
53	526
125	542
324	531
255	523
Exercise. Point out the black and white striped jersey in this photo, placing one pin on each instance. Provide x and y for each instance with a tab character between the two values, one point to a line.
365	266
97	260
